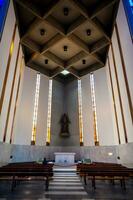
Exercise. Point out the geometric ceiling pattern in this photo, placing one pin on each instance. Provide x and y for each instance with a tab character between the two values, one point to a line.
72	35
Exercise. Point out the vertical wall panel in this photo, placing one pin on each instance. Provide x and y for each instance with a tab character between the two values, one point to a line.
103	107
23	131
120	123
127	45
123	91
5	42
88	130
14	97
8	86
41	133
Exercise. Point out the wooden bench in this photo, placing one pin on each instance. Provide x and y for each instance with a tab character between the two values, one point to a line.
22	171
103	171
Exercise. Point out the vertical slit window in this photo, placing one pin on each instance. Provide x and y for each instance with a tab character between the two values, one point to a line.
92	83
49	113
80	112
34	123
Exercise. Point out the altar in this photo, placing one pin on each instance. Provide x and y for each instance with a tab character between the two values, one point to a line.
64	158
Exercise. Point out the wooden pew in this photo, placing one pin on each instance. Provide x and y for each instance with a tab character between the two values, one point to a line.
20	171
106	171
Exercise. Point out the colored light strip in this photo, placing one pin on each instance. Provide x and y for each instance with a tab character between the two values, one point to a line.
49	113
80	112
96	139
34	123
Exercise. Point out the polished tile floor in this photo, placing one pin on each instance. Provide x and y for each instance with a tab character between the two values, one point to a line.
67	186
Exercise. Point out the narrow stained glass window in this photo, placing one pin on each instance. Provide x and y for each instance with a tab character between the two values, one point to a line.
49	113
80	112
92	83
34	123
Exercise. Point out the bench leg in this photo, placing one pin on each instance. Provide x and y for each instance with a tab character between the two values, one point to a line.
85	180
13	183
124	185
93	183
47	183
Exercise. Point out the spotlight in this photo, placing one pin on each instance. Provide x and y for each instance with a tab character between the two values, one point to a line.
65	48
66	11
42	32
88	32
46	61
84	62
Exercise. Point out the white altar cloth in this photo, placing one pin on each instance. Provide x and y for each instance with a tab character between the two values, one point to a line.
64	158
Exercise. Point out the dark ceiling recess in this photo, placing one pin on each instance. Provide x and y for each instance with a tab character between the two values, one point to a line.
47	28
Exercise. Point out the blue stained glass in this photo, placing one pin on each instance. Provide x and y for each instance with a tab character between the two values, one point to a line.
1	2
128	5
3	11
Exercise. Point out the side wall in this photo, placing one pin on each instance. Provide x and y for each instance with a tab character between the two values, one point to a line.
119	66
11	75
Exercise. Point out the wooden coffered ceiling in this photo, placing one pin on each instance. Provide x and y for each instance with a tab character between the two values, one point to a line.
47	26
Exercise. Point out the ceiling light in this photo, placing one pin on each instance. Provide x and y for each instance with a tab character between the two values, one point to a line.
42	32
46	61
66	11
110	153
84	62
65	48
88	32
65	72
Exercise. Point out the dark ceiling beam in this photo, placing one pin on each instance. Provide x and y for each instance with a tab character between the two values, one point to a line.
51	42
46	46
55	72
85	13
76	58
32	57
39	68
55	24
38	20
76	24
30	7
74	72
55	59
101	28
99	45
79	42
80	7
84	47
90	69
31	45
102	6
51	7
31	27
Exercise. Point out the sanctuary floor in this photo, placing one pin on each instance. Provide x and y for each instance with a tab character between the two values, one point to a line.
66	185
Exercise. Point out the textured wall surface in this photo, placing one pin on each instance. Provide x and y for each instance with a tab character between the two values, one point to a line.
64	100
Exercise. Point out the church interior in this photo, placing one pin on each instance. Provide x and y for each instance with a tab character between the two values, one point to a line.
66	99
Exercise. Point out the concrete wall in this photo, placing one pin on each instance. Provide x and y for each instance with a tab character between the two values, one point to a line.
103	108
88	129
23	129
22	153
64	100
11	74
120	61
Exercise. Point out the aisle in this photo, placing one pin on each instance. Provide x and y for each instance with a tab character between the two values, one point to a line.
66	184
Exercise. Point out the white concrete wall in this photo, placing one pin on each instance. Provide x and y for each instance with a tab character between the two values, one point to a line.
5	43
103	108
23	132
42	111
88	129
65	100
127	52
